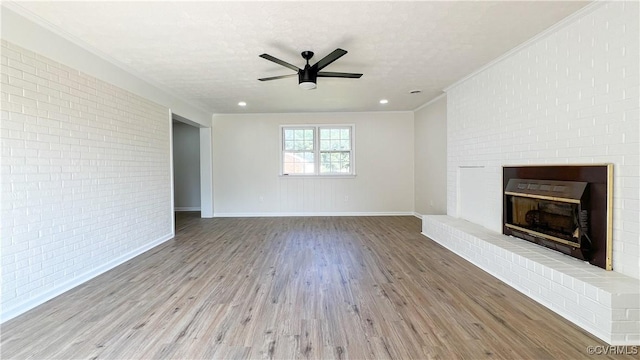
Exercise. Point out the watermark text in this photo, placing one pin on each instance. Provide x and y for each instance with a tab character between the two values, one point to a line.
612	350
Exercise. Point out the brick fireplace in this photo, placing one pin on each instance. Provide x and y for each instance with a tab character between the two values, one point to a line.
567	96
555	245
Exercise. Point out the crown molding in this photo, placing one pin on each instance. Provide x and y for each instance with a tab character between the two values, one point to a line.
430	102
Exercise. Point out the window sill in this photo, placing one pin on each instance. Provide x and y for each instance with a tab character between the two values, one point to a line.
318	176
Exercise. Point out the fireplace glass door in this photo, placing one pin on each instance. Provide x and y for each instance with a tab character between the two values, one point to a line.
552	220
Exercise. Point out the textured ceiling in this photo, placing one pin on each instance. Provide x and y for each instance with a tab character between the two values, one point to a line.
207	52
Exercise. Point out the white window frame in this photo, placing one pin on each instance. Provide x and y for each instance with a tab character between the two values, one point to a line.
316	150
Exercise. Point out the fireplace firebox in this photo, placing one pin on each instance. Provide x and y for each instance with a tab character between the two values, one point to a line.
550	213
565	208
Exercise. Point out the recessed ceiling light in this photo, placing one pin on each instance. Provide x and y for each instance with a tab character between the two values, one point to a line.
242	103
415	91
384	101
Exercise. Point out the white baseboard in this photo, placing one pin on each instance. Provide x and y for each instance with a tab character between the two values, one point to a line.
418	215
182	208
58	290
307	214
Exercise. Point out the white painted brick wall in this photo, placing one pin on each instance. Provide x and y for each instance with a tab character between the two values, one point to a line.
85	176
569	97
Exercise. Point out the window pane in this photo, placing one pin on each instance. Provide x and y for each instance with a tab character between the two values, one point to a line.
288	134
298	145
288	145
335	134
308	157
299	134
308	134
330	145
335	162
298	162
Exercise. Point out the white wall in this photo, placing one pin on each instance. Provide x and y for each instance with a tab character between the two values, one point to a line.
430	139
85	177
206	172
568	97
246	166
186	166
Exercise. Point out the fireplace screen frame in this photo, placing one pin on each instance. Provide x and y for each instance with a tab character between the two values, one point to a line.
596	198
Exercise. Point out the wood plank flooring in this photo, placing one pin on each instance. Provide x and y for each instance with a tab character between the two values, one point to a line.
293	288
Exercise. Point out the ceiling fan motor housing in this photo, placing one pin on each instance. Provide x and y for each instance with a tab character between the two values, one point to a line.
307	75
307	78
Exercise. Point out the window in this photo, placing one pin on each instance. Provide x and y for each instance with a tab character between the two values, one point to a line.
299	154
325	150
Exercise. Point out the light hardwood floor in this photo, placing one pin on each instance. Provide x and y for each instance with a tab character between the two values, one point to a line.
289	288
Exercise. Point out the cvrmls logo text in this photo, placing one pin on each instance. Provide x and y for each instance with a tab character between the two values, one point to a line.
612	350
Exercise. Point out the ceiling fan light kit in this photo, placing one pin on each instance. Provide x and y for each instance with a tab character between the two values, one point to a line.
307	85
307	77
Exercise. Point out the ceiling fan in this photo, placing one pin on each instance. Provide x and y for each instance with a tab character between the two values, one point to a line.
307	76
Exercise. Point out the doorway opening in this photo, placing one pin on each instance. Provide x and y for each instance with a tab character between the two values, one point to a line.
186	166
191	168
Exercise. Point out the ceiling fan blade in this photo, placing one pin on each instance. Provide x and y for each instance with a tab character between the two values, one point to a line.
277	77
339	75
279	62
335	55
